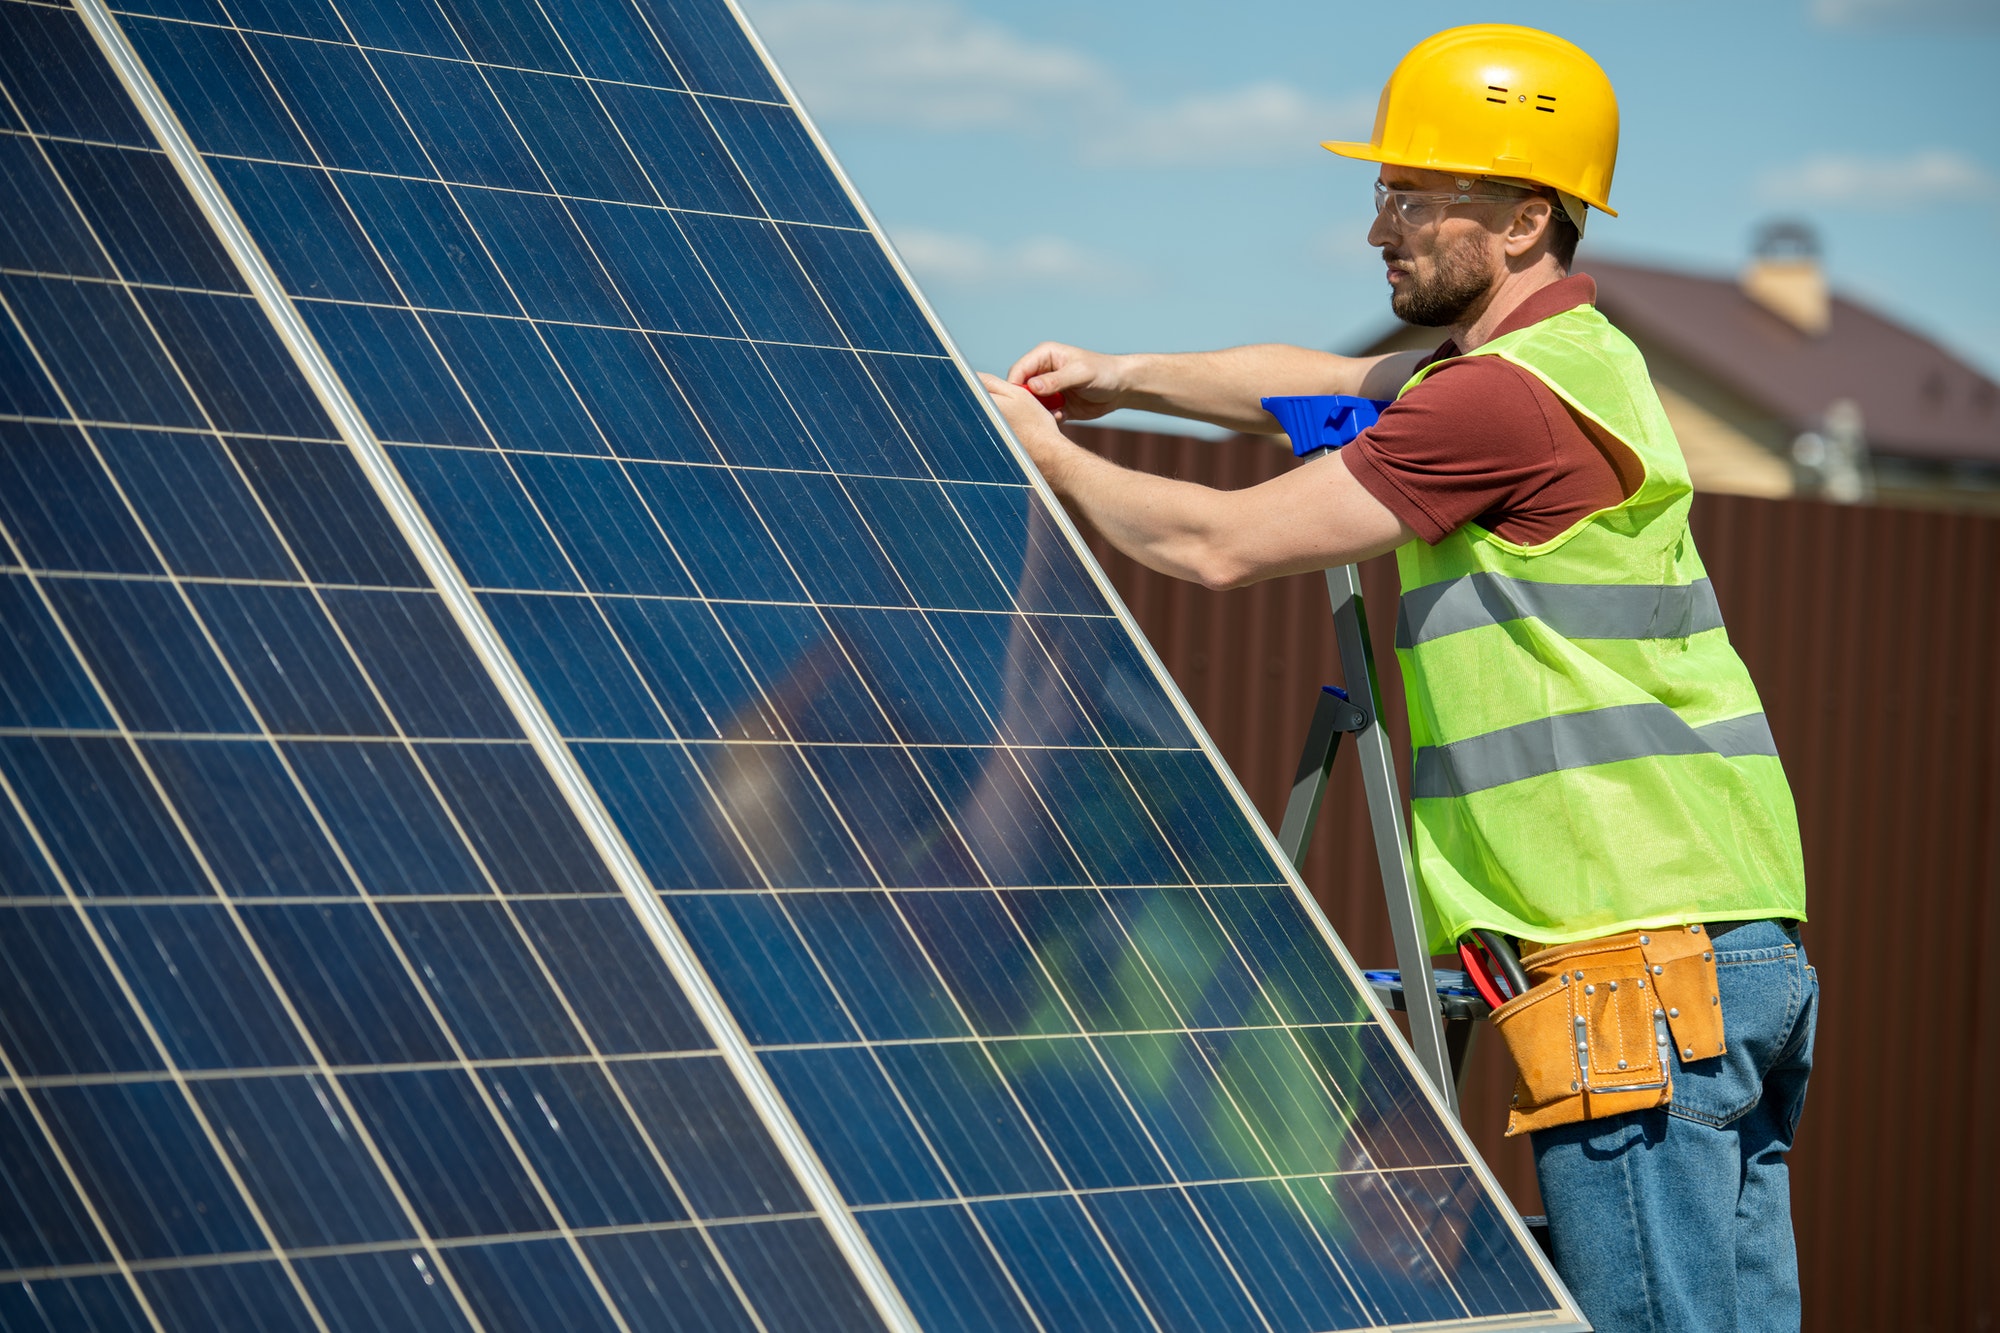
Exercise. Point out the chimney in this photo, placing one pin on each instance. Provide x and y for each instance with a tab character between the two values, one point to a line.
1784	276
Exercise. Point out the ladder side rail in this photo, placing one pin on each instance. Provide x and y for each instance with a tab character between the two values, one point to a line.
1392	844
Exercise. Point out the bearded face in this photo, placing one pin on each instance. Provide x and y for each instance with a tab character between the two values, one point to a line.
1440	288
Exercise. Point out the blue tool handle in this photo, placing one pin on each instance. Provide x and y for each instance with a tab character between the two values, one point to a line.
1323	421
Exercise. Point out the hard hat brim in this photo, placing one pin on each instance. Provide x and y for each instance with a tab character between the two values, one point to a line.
1368	152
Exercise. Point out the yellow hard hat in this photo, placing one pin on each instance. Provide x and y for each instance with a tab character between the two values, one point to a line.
1492	99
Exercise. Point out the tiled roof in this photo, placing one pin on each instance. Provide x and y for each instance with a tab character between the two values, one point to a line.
1917	400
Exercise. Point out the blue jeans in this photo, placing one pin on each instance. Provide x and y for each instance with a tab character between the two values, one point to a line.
1679	1219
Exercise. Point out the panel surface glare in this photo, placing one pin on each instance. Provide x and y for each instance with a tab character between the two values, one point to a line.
320	1008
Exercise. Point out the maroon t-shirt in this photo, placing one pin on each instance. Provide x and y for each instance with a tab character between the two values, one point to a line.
1483	441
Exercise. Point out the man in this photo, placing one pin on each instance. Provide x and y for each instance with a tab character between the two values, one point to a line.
1593	774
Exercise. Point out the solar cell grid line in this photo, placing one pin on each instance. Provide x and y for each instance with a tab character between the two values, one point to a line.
1036	795
357	1123
526	709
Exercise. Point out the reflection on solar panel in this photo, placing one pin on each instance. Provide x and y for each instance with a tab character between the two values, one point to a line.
556	773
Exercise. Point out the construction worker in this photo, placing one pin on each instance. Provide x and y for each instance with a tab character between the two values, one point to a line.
1593	775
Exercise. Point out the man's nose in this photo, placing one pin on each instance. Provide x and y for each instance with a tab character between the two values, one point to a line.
1380	233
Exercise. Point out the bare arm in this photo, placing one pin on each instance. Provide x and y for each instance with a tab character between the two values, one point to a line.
1221	388
1312	517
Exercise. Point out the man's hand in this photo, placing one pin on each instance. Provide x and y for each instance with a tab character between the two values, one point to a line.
1033	426
1088	381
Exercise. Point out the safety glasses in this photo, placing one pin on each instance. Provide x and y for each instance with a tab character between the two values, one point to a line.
1408	210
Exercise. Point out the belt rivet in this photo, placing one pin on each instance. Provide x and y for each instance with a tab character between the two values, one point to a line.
1642	983
1688	1054
1694	930
1660	1013
1572	1087
1657	969
1715	999
1614	985
1708	958
1584	1046
1673	1013
1590	990
1621	1064
1645	939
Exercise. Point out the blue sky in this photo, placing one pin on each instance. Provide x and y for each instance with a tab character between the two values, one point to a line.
1134	175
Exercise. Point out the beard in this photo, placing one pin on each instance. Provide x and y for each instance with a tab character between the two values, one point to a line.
1448	294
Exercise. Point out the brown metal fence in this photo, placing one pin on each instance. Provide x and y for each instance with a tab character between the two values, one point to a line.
1873	635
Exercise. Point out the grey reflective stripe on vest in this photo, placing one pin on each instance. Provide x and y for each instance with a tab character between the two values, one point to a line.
1580	740
1573	610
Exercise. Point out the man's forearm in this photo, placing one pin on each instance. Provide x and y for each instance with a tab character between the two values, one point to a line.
1223	387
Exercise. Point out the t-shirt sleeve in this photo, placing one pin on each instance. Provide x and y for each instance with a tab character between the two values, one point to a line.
1470	441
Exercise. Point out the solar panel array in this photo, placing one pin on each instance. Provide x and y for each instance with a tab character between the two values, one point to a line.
556	773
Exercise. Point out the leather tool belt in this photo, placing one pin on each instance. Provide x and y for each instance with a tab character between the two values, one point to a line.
1589	1037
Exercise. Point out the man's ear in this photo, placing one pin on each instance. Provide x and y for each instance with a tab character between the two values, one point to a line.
1529	224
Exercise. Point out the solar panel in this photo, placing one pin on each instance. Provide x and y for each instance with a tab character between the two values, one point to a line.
556	771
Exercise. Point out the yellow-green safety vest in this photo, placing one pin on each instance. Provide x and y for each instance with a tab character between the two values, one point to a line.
1590	755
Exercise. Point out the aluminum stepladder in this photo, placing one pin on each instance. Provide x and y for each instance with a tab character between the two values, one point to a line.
1440	1032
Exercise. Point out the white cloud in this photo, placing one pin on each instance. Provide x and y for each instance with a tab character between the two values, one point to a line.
1888	183
954	259
922	63
932	65
1905	13
1257	125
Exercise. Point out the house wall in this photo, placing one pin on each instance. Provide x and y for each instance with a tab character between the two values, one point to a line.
1873	635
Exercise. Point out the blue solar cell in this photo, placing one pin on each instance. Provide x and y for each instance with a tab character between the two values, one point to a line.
958	1094
393	1291
610	42
42	231
827	693
41	684
664	1279
709	48
624	385
568	132
796	1279
547	263
461	128
769	292
148	653
59	80
390	363
101	820
304	1163
763	968
257	1295
59	1006
876	964
420	233
602	523
894	816
223	99
461	1175
322	508
768	142
695	1112
1167	1253
353	992
103	359
343	111
61	509
199	986
1058	1256
852	274
42	1221
140	1152
677	147
853	1115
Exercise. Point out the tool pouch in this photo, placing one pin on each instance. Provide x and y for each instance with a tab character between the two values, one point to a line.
1589	1037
